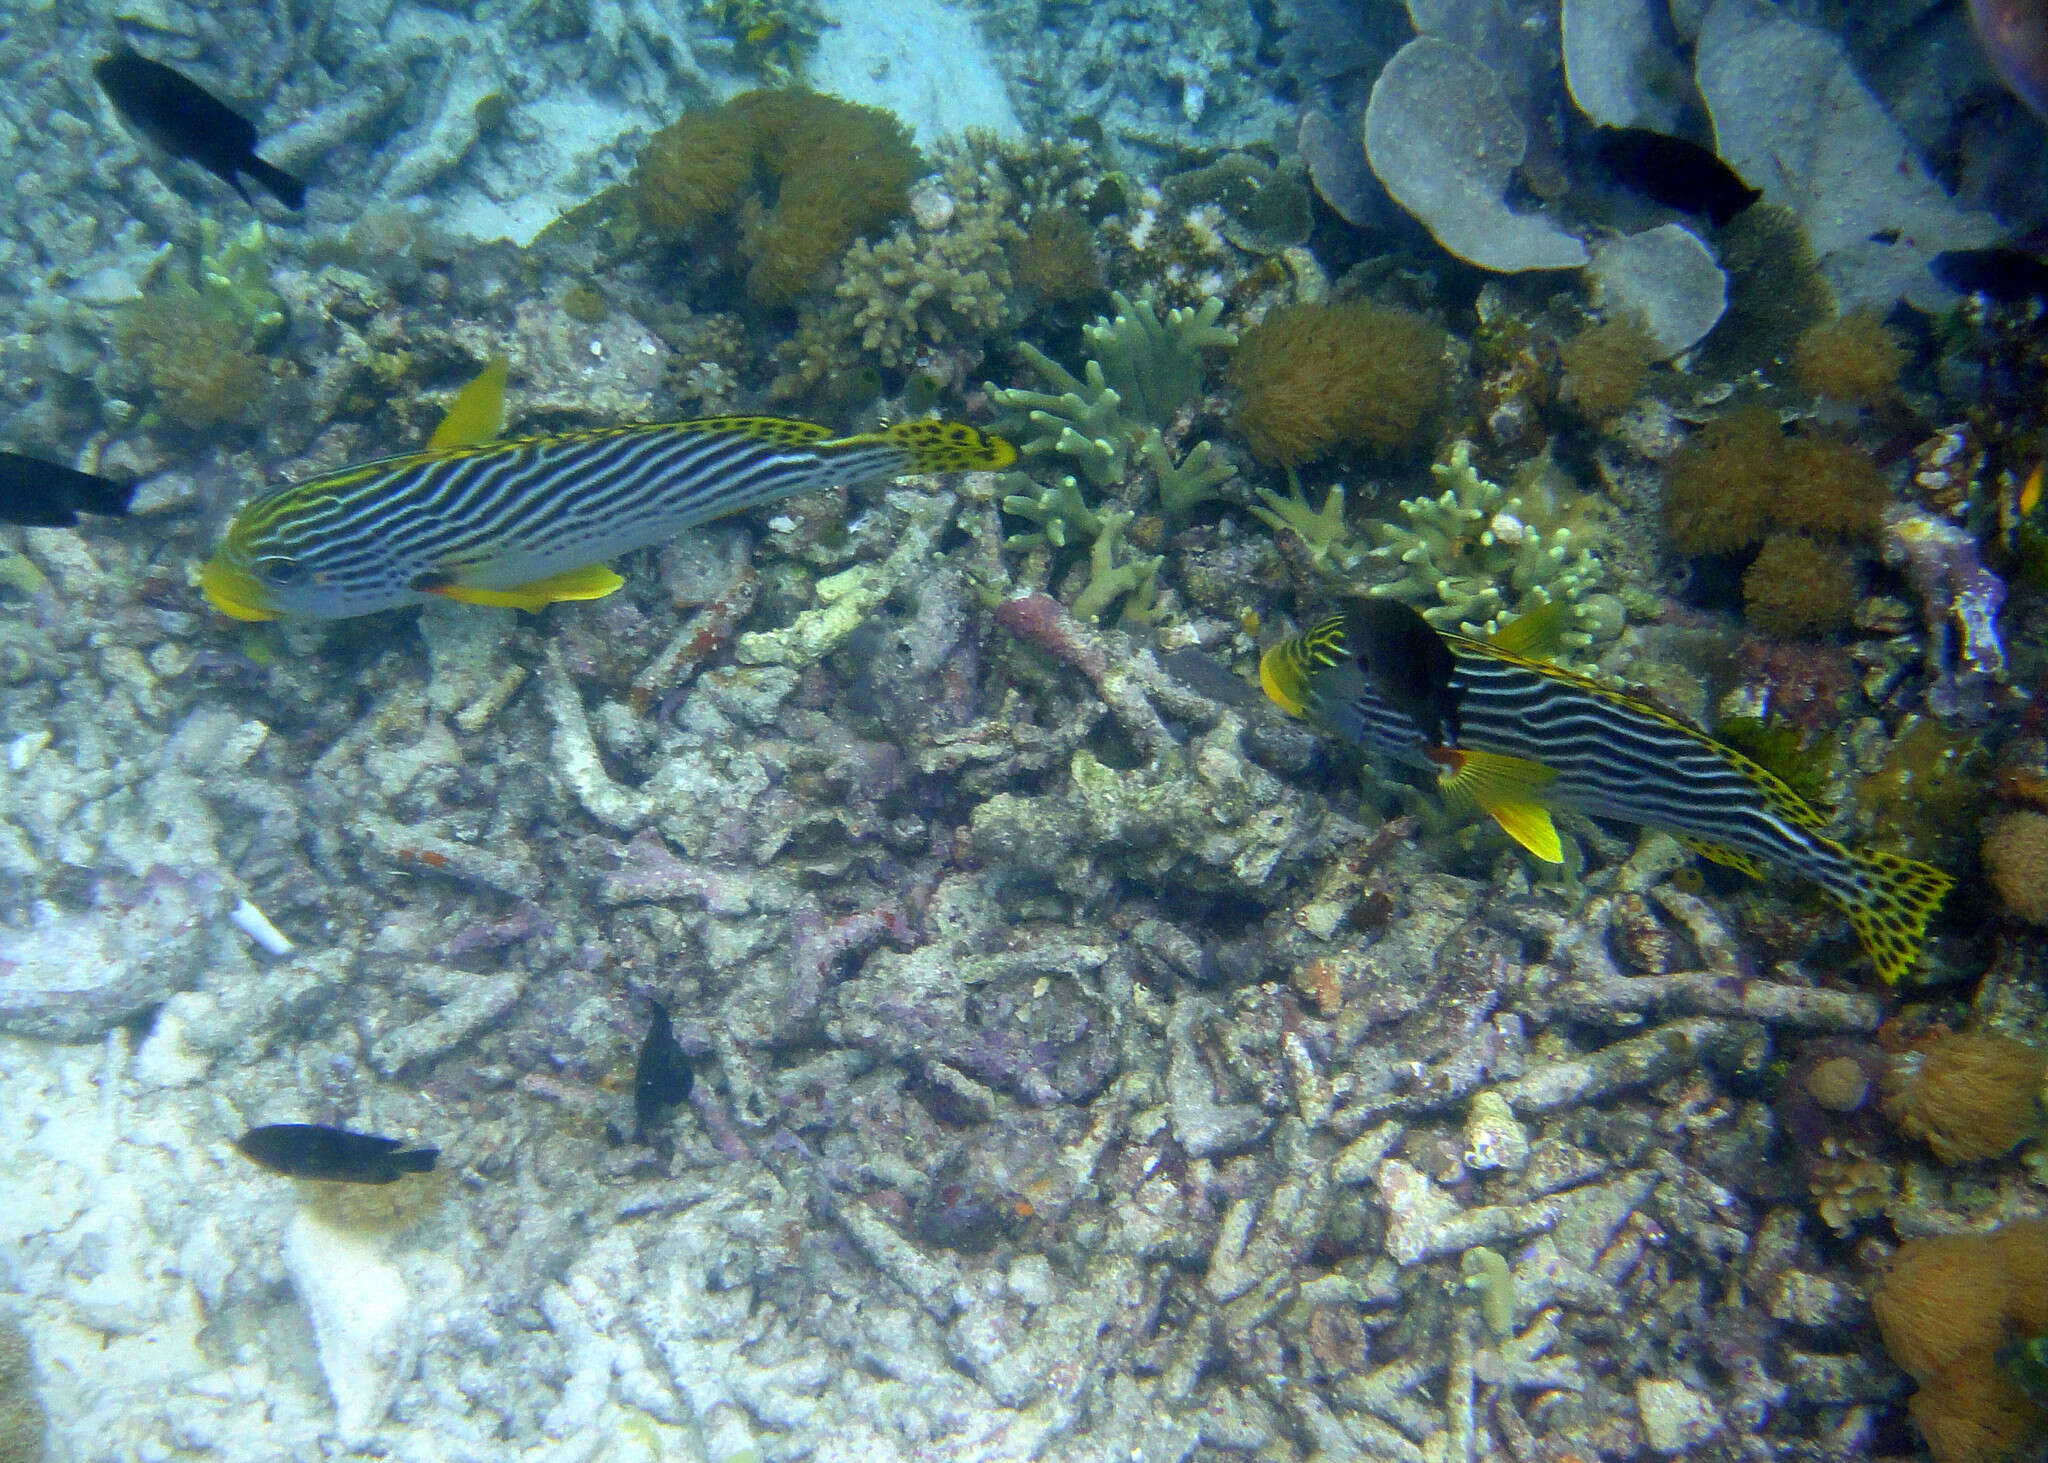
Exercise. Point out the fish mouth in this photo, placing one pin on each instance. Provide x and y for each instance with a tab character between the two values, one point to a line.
234	591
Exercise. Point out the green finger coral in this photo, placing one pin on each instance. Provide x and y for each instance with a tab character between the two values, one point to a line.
1477	555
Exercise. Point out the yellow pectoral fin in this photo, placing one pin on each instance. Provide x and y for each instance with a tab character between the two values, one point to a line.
1506	789
1282	681
1537	634
1727	857
478	412
592	581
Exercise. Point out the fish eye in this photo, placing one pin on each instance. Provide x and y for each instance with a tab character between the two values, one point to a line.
280	569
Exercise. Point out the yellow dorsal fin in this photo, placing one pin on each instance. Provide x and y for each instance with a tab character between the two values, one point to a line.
1506	790
592	581
478	412
1727	857
1537	634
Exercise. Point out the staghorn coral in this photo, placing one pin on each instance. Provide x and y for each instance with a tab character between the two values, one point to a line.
1477	554
1323	531
1796	588
1741	475
1970	1094
1315	378
1605	366
1115	574
1853	359
804	173
2015	852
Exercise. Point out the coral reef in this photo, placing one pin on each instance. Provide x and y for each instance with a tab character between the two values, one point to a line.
1741	475
1794	587
1605	365
1315	378
1854	359
1477	554
22	1422
1969	1095
801	174
200	341
2015	852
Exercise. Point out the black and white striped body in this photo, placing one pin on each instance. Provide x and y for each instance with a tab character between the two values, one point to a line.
505	514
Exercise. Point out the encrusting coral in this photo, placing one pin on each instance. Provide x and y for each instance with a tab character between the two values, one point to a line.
1742	475
804	175
1315	378
1970	1094
1794	588
1853	359
1605	366
2016	859
200	341
1944	1305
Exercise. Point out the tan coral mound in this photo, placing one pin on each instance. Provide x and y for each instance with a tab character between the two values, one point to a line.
1971	1094
2016	858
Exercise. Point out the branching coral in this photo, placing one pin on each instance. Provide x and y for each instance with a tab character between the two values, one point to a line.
1477	554
1113	575
200	341
804	173
1313	378
1328	537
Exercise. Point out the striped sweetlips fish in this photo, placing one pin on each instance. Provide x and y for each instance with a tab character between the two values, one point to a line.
528	521
1519	736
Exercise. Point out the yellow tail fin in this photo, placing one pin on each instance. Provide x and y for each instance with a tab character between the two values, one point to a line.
944	446
1889	903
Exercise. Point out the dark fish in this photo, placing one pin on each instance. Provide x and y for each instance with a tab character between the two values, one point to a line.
43	495
1519	736
316	1151
1676	173
2003	274
662	1078
187	121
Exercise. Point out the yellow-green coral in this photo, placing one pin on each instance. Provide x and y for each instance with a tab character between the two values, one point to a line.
1477	555
199	340
804	174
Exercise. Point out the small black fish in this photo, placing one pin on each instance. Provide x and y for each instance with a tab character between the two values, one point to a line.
2003	274
41	494
316	1151
662	1077
1676	173
187	121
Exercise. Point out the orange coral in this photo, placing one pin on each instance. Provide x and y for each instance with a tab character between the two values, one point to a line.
1973	1413
1313	378
1938	1298
2016	858
1970	1094
806	173
1741	475
1853	359
1797	588
2022	1249
1605	367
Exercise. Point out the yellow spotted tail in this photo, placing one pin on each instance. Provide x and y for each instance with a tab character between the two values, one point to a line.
938	446
1889	900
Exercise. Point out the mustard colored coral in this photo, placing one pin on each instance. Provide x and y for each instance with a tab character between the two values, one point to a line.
1969	1094
1315	378
2016	859
805	174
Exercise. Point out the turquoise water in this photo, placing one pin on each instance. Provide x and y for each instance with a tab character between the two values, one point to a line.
880	972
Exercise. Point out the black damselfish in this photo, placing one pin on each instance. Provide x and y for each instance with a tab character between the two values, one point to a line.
1676	173
316	1151
40	494
2003	274
662	1077
1519	736
187	121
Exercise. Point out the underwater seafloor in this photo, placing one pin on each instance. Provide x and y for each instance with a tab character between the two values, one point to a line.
1091	1062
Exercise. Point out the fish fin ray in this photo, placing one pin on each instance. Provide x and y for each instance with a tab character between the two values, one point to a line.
1537	634
591	581
478	412
1506	789
1889	902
